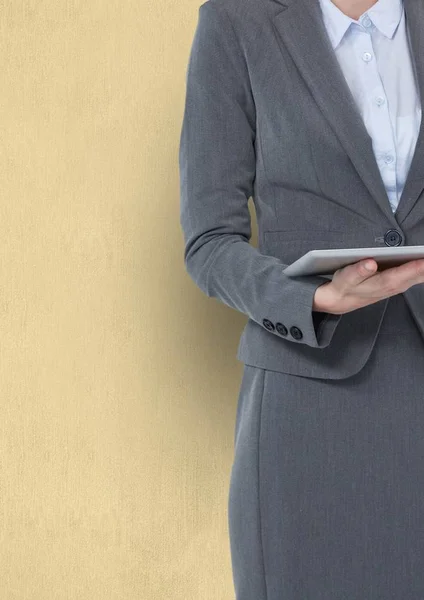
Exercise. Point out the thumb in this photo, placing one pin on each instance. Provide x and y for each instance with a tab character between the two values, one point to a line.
357	272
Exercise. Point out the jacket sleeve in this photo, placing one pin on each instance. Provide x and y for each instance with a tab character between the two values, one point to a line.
217	167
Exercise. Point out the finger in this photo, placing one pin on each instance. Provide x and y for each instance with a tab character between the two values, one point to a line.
404	276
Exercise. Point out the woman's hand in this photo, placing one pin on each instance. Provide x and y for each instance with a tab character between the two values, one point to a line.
353	286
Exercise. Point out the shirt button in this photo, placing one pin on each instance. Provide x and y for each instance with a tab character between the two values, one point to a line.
380	100
388	159
366	56
366	22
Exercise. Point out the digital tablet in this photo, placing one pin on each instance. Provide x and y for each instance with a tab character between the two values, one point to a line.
326	262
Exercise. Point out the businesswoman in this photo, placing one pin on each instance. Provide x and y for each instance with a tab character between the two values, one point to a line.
312	108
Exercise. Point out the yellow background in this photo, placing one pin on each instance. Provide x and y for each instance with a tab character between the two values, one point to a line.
119	377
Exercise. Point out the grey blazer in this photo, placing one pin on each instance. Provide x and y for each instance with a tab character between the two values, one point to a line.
269	115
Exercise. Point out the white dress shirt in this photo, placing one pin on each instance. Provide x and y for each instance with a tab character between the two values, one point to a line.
377	62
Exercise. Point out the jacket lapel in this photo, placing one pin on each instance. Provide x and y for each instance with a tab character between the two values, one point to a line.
414	184
299	25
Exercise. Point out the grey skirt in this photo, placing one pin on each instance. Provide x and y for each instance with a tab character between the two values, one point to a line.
326	496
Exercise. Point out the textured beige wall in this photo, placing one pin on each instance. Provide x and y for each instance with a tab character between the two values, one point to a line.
119	379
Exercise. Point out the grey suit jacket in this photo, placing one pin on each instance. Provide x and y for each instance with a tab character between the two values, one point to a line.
269	115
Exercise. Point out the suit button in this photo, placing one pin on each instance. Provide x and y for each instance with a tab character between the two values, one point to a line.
268	324
296	333
392	238
282	329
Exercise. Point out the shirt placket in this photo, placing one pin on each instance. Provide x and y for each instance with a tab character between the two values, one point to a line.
379	124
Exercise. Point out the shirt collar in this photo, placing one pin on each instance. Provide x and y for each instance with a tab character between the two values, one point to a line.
385	15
